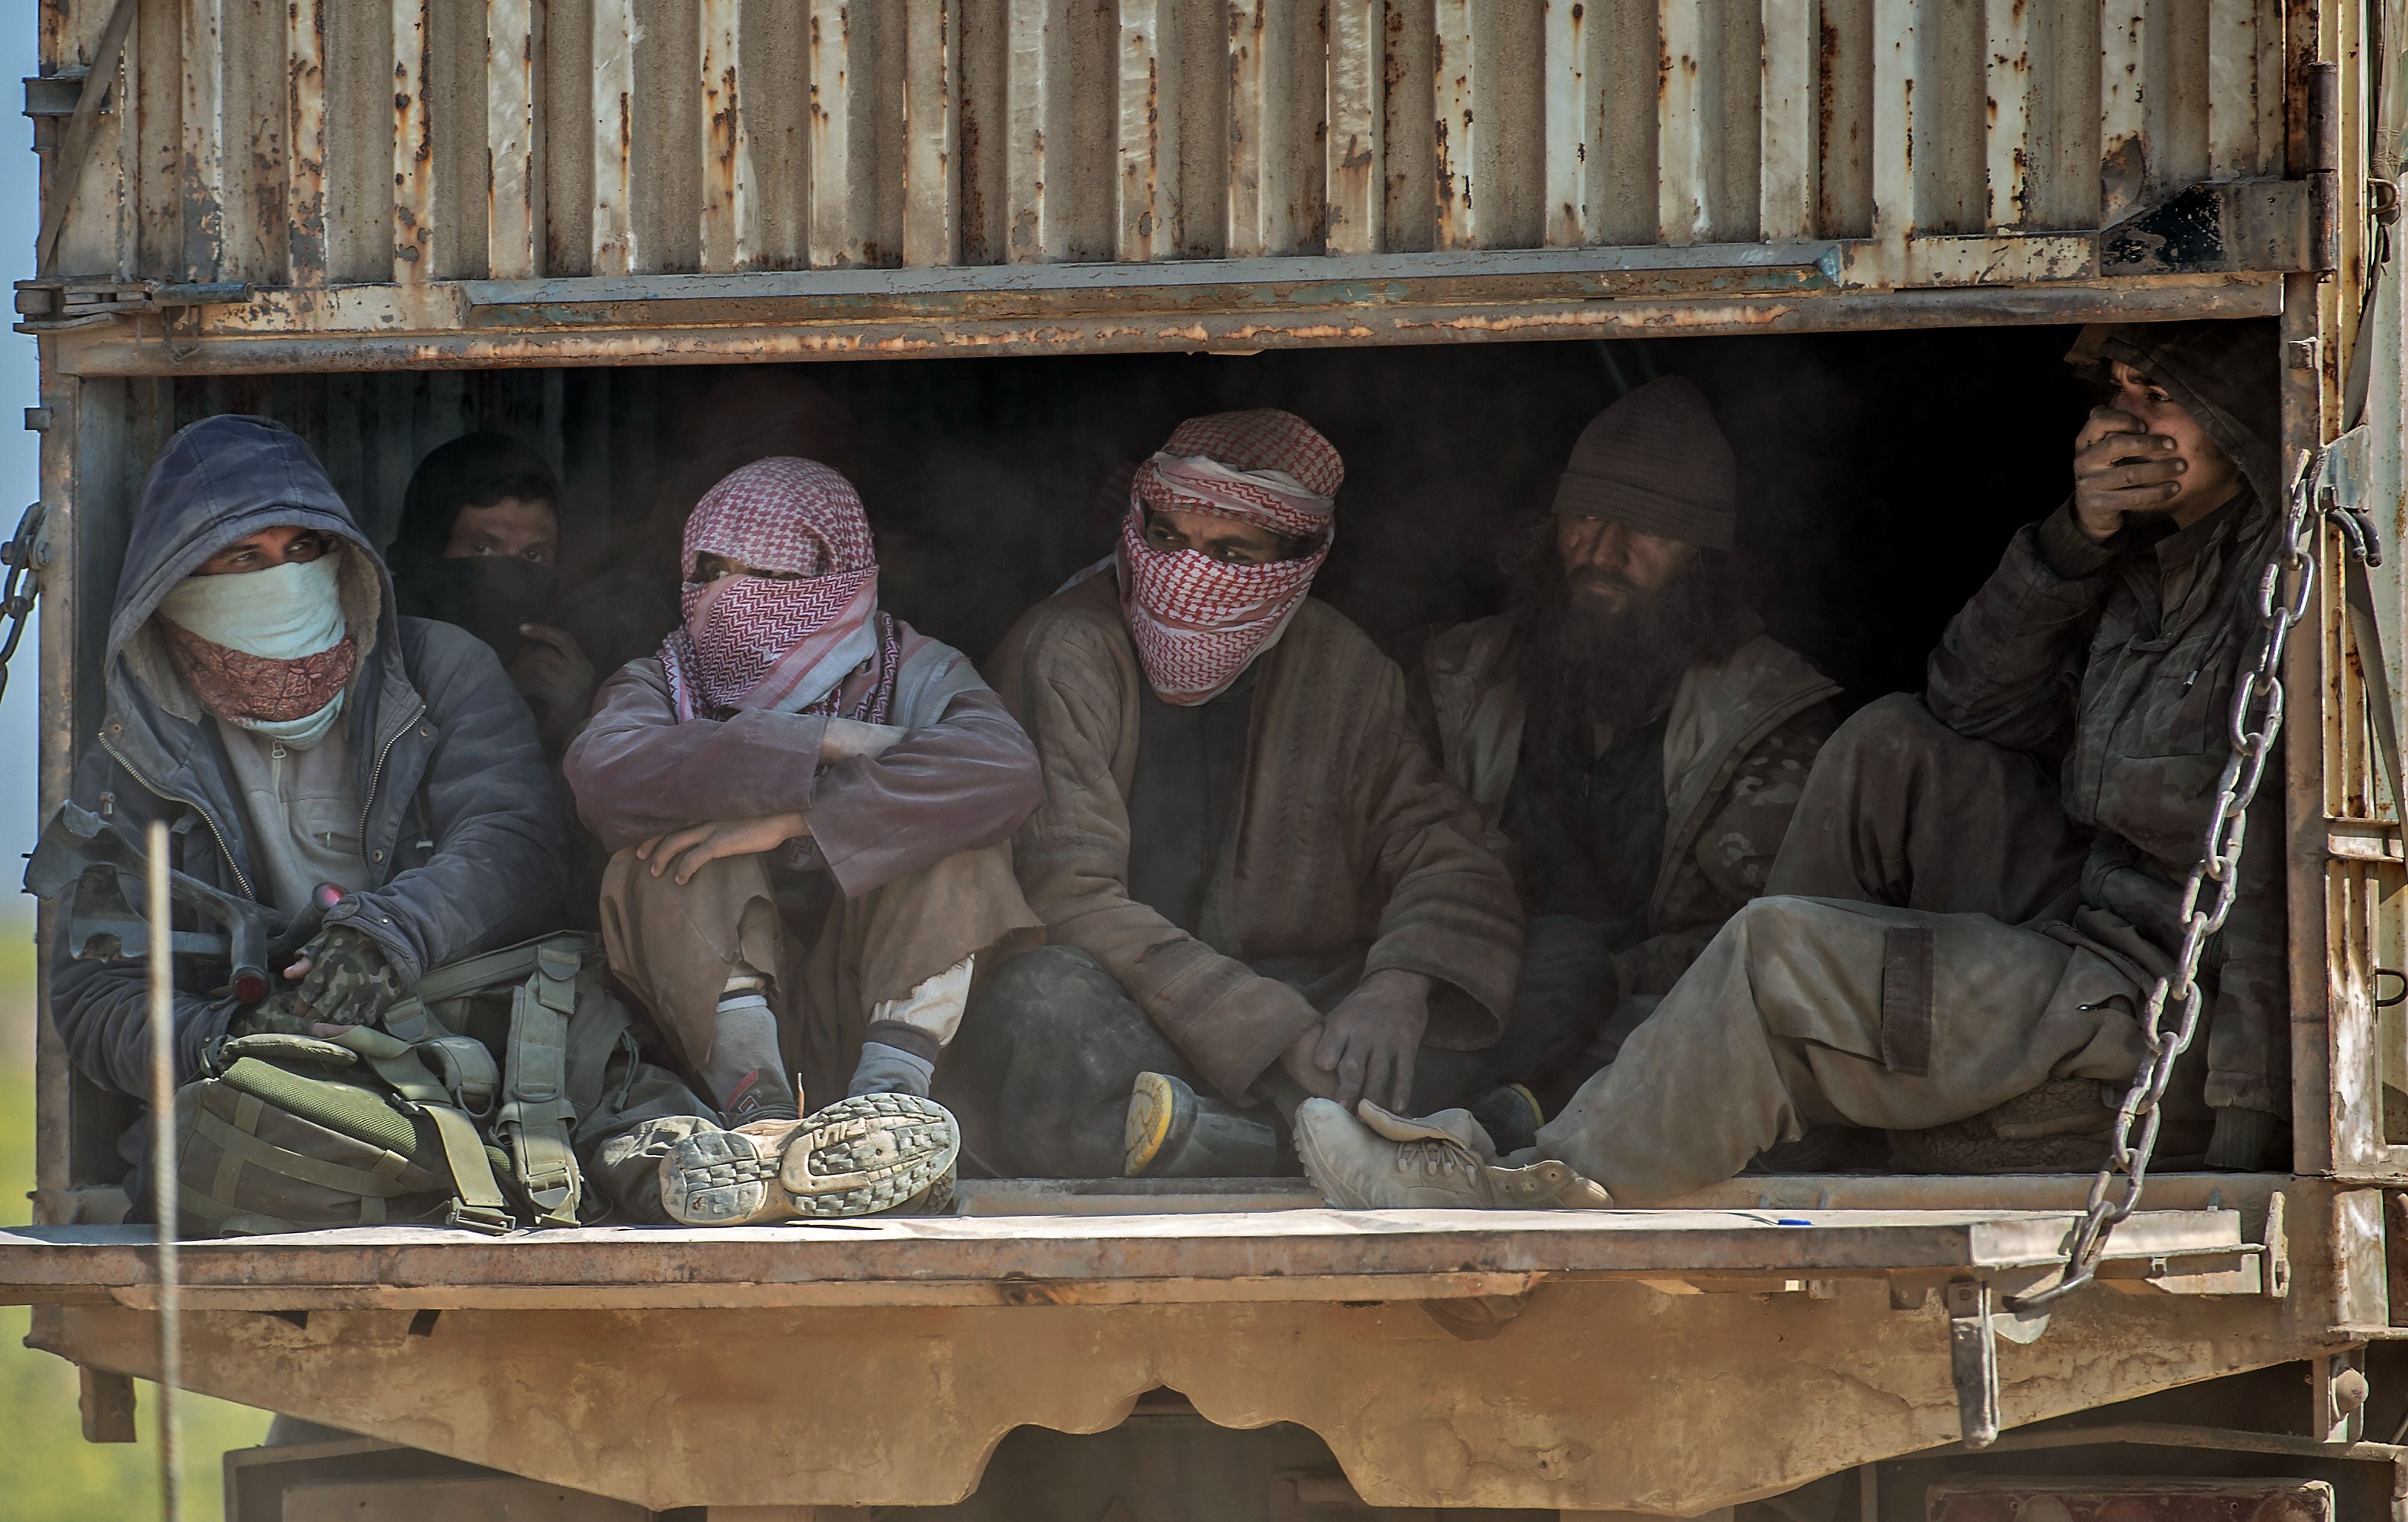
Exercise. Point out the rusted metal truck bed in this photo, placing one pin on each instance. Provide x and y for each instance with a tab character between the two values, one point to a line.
1563	1359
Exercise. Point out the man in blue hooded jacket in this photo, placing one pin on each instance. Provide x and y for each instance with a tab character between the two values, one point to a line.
266	702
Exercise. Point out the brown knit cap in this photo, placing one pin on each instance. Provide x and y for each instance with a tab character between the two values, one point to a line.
1656	461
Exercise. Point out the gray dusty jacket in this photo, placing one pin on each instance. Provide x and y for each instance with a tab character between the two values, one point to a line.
2117	662
460	831
1724	822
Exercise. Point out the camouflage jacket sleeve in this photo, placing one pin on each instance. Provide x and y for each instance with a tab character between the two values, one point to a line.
2007	665
1725	865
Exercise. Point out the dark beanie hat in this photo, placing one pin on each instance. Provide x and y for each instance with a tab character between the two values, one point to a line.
1657	460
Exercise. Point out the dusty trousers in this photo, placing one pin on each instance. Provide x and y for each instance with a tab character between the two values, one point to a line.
1920	957
1048	1051
674	948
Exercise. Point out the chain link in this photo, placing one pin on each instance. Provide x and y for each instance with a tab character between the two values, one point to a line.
18	585
2257	719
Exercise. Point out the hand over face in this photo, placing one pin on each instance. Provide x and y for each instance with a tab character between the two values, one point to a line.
345	979
2146	453
553	672
687	852
1369	1042
2119	468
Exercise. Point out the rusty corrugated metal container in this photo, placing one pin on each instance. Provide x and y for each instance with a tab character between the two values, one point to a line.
308	206
433	182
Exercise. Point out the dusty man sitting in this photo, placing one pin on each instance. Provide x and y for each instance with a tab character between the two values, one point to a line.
1982	883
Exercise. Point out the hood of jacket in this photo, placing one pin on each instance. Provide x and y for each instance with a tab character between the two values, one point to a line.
219	481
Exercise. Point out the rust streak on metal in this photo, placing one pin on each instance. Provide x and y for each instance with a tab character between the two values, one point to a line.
304	203
724	241
413	145
1452	52
614	248
1353	145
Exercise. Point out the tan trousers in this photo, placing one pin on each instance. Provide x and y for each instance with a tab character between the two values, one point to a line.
1926	978
674	948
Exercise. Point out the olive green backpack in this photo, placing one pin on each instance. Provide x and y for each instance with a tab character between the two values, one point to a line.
461	1107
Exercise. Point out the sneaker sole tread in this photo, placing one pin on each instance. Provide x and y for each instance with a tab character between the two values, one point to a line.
859	1157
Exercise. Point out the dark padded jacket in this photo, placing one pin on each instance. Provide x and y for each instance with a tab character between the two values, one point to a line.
2118	663
462	837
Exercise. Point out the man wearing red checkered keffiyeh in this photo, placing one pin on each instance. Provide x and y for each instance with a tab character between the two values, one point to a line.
1256	884
1203	599
808	803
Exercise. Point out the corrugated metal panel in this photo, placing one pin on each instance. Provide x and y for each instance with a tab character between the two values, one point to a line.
614	137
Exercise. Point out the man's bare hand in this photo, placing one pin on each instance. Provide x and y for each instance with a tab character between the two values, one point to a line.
1369	1042
687	852
2120	468
1298	1063
849	737
555	673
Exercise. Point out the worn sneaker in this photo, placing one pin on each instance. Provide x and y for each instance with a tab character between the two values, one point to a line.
1385	1161
858	1156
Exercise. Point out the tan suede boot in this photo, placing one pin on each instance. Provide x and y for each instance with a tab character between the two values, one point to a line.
1376	1160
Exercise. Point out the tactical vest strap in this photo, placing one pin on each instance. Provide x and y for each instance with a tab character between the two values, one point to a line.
481	1206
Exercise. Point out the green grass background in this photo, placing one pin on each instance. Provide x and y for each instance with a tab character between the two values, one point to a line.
47	1471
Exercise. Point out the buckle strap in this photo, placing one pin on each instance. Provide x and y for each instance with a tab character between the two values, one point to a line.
481	1206
468	1069
535	1114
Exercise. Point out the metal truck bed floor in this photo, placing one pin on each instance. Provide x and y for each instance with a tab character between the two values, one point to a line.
1311	1254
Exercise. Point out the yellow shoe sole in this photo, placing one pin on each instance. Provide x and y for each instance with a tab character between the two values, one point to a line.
1152	1104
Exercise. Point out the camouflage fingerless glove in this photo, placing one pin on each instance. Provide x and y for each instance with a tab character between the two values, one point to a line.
349	982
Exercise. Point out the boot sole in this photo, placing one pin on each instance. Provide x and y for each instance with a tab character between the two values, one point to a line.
858	1156
1317	1174
1153	1105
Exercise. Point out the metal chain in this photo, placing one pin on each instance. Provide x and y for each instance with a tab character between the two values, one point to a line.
18	586
2257	719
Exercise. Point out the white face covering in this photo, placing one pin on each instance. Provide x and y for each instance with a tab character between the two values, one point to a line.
283	613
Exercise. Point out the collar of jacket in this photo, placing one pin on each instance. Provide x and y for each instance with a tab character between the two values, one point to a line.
2173	577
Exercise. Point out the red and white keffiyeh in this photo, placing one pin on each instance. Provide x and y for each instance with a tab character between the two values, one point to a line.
1198	622
788	645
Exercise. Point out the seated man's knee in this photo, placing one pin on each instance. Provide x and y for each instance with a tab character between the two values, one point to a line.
1050	986
1895	725
1771	921
734	878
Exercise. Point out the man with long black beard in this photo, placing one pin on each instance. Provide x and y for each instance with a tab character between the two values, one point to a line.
1634	739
